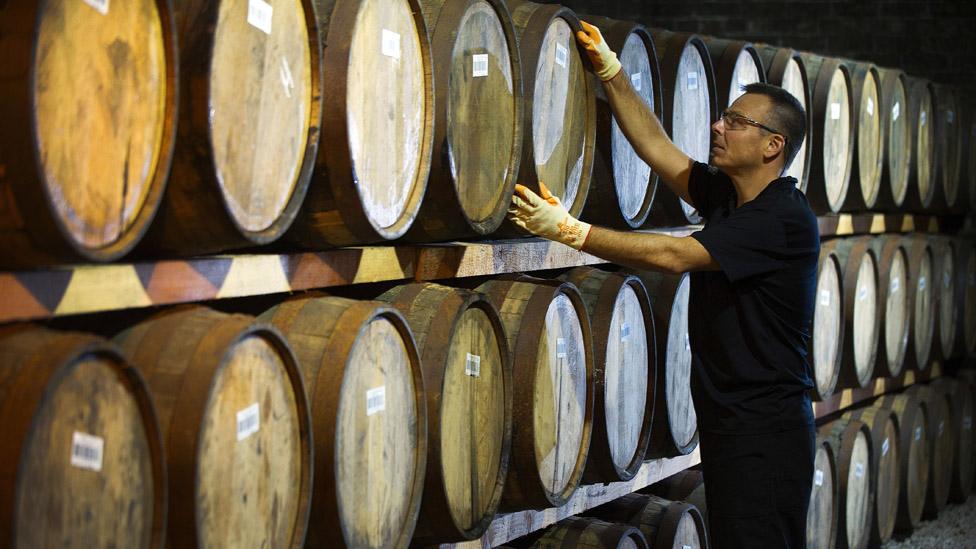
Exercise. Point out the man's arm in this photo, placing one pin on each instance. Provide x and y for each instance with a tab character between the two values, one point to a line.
645	251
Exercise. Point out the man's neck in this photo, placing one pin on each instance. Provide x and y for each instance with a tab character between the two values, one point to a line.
748	185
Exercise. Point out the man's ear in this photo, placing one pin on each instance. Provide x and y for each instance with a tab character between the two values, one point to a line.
775	145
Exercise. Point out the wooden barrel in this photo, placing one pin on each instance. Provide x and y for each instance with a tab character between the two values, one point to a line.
371	170
959	392
861	308
687	486
921	178
548	333
966	288
369	418
885	478
477	122
868	137
235	422
624	370
941	445
665	524
896	140
675	430
623	186
785	68
834	121
82	461
969	152
560	104
946	305
913	456
851	440
89	112
921	277
590	533
688	86
893	297
468	387
827	346
948	145
736	64
822	512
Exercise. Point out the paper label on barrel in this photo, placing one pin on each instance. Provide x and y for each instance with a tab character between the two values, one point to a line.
941	427
895	284
479	65
100	5
884	447
624	332
562	55
472	365
918	433
86	451
635	80
818	477
950	117
858	470
287	82
870	107
921	284
391	44
835	111
687	342
967	423
922	117
692	80
825	298
259	15
895	111
248	421
375	400
862	293
560	347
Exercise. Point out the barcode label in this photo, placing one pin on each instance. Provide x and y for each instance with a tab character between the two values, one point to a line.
941	427
390	44
479	65
472	365
870	107
818	477
375	400
862	293
895	111
635	80
624	332
101	6
858	470
693	80
921	284
922	117
86	451
918	433
967	423
950	117
248	421
562	55
259	15
835	111
560	347
287	82
825	298
895	284
884	447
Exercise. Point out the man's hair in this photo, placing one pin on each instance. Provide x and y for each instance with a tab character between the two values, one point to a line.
786	115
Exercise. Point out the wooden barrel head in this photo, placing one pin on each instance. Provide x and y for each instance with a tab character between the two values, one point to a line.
885	469
921	301
687	534
893	286
948	143
924	132
691	118
898	133
945	278
869	136
917	470
969	301
586	532
837	133
828	326
858	492
681	408
866	321
630	174
784	68
821	513
747	71
913	456
964	470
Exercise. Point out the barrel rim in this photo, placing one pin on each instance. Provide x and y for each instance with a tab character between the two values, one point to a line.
886	248
817	194
858	200
829	259
890	79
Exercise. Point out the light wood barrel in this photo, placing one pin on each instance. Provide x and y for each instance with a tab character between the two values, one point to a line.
834	121
675	430
690	107
893	299
913	456
625	369
468	387
235	422
369	418
785	68
687	486
946	305
736	65
89	110
966	288
960	395
941	446
623	187
896	140
861	308
82	460
868	137
948	144
826	347
885	478
665	524
921	178
822	512
548	333
372	167
477	121
921	301
560	104
590	533
851	440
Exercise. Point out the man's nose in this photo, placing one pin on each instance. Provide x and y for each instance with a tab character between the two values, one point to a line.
719	126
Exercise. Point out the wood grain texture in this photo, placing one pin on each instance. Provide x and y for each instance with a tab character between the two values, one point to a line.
893	297
920	302
960	392
860	307
370	453
948	143
966	285
55	387
912	417
822	512
921	179
868	147
826	345
785	68
208	371
687	486
851	440
736	64
590	533
946	306
941	446
833	133
897	147
667	524
885	478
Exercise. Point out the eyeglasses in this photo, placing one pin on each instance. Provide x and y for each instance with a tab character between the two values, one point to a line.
736	121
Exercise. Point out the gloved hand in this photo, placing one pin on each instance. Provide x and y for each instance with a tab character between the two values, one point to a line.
604	61
545	216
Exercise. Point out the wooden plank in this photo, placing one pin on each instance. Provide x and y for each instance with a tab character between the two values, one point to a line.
852	397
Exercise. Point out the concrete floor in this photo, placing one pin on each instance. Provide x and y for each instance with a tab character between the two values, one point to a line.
954	529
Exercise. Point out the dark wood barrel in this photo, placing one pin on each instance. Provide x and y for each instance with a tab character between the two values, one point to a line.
690	107
851	441
921	174
559	135
826	347
372	166
860	306
623	186
959	392
369	418
785	68
969	152
896	140
477	120
921	301
82	460
966	288
911	414
468	387
624	371
822	512
885	478
946	315
548	333
941	446
89	118
893	298
736	64
665	524
687	486
591	533
235	422
868	137
949	137
834	121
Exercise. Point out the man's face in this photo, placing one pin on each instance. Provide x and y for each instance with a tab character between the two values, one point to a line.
737	144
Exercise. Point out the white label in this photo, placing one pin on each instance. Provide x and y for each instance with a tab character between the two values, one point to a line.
624	332
818	477
967	423
635	80
287	82
560	347
101	6
941	427
472	365
375	400
950	117
895	284
835	111
693	80
858	470
870	107
259	15
921	284
562	55
685	547
946	280
895	111
391	44
923	117
687	342
87	450
862	293
918	433
884	447
248	421
825	298
479	65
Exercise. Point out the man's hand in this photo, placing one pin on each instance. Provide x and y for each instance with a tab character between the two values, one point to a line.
545	216
605	62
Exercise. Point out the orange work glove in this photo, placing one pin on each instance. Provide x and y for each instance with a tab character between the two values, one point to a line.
545	216
604	61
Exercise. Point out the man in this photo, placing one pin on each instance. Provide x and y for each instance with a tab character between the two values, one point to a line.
751	304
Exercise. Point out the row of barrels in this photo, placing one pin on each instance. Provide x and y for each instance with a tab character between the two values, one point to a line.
888	303
232	125
348	418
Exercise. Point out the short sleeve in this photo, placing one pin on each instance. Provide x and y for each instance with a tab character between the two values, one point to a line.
708	188
747	243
